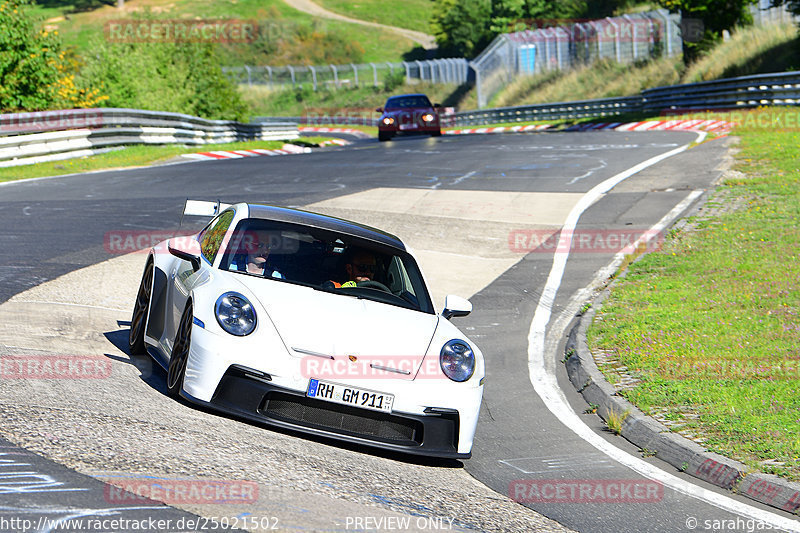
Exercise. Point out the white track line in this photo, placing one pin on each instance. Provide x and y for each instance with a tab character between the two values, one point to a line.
546	386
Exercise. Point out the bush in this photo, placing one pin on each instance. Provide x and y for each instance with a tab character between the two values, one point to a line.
180	77
394	79
35	72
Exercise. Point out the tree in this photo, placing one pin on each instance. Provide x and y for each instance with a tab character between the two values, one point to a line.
714	16
461	27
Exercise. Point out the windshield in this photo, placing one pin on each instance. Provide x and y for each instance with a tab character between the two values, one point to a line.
408	101
326	261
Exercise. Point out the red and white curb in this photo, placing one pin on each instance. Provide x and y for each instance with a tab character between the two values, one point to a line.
349	131
237	154
335	142
717	127
498	129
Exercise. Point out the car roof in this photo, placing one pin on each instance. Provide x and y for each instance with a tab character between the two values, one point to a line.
325	222
409	94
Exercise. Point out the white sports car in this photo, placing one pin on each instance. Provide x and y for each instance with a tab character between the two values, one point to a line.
311	323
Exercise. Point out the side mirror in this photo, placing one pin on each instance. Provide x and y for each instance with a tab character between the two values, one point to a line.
455	306
186	248
379	110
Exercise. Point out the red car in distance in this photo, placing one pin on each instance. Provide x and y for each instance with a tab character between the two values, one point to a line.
408	114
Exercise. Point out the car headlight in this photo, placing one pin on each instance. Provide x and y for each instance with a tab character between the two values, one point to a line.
427	117
388	121
235	314
457	360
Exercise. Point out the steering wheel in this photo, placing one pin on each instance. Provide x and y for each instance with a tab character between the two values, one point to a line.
373	285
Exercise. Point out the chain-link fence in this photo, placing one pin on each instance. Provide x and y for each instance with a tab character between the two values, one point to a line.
352	75
624	39
764	13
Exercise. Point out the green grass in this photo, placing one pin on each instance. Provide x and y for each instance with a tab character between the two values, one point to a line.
134	156
359	101
370	130
410	14
711	323
319	41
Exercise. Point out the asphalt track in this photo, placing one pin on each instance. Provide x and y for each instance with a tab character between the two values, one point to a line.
56	226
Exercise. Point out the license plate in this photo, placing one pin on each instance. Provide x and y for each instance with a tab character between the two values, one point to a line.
347	395
408	126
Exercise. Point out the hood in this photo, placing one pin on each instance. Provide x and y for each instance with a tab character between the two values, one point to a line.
319	324
412	113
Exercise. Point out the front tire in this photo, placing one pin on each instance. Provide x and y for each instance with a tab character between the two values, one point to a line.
383	136
141	310
180	353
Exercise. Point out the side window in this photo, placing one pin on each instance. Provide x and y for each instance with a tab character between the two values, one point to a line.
397	278
211	239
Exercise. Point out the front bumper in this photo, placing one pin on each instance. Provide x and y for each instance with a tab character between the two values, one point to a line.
253	397
420	130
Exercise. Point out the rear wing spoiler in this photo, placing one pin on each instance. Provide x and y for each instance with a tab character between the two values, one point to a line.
203	208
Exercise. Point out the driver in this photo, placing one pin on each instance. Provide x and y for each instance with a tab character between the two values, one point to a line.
360	267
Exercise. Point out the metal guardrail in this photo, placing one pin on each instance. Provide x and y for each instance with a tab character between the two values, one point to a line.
608	107
732	93
27	138
320	119
741	92
33	137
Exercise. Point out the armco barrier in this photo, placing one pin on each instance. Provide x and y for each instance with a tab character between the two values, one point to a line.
34	137
732	93
27	138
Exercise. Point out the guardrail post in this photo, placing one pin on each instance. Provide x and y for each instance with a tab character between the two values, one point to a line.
249	78
374	75
269	73
291	73
355	73
408	70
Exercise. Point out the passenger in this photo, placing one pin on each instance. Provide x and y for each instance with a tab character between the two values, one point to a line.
254	259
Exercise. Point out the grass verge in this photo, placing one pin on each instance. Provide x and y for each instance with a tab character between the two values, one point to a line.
369	130
409	14
134	156
710	324
289	36
351	101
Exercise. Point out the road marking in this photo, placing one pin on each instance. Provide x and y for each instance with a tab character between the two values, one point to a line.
543	465
544	381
